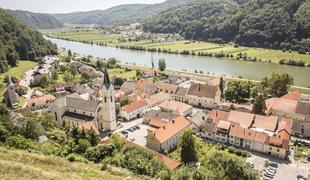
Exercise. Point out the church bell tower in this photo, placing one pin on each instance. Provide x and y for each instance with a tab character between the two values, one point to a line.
106	114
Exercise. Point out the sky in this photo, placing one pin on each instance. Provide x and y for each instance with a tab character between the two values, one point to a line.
64	6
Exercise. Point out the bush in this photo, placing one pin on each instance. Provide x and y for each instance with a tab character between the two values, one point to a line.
76	158
99	152
58	136
142	162
21	142
51	148
104	166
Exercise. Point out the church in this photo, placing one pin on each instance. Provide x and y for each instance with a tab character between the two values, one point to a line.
76	111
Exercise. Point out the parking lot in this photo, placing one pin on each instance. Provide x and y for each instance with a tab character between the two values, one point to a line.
285	171
135	131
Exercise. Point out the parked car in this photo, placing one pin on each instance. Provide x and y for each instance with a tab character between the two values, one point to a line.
137	127
124	132
130	130
268	175
273	164
300	177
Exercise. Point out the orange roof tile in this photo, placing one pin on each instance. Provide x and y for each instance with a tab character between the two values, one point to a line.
157	123
244	119
40	100
266	122
260	137
175	106
295	95
236	131
141	84
217	115
171	88
280	139
223	124
171	128
135	106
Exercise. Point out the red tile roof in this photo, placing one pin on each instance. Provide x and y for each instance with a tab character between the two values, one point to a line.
40	100
244	119
223	124
266	122
171	128
295	95
135	106
260	137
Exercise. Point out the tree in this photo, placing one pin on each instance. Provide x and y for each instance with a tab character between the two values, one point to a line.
162	64
68	77
69	53
73	70
111	62
93	138
57	135
188	148
55	75
124	101
277	84
62	68
99	152
100	64
12	59
259	96
118	142
118	81
82	146
75	134
86	76
68	59
238	91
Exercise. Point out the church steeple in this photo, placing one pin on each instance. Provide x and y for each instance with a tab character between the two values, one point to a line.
106	78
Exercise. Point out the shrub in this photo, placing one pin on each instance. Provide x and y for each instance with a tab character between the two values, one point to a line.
49	148
57	136
76	158
104	166
99	152
21	142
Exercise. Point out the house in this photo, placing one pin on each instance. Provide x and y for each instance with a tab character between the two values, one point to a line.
149	73
36	93
159	115
289	108
39	103
134	110
266	134
199	120
176	107
76	110
10	96
301	129
167	137
203	95
166	87
175	79
180	94
70	87
21	87
156	99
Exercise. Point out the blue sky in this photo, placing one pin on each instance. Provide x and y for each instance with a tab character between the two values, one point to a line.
62	6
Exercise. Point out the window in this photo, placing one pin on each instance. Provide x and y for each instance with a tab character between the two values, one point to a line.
278	150
270	148
111	99
105	99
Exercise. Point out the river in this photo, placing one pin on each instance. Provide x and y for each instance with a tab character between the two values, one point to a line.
213	65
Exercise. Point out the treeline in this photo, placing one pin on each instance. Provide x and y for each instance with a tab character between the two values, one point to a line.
276	24
18	41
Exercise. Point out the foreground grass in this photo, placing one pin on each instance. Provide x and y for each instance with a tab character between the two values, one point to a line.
17	164
18	72
96	36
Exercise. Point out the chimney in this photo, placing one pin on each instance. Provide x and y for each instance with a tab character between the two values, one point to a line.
172	121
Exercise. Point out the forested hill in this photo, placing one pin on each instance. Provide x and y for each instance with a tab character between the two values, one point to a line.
19	41
118	15
279	24
37	20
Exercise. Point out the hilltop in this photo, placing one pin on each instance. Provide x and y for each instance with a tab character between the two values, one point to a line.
37	20
119	15
278	24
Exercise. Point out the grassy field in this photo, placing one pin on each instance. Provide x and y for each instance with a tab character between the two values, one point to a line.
97	36
122	73
17	72
17	164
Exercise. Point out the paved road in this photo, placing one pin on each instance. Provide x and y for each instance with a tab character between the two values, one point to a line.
129	124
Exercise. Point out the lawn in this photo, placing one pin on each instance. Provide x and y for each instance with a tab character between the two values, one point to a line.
302	153
17	72
91	35
122	73
17	164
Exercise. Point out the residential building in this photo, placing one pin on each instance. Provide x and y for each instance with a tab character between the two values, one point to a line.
158	115
301	129
176	107
39	103
22	87
167	137
267	134
180	94
203	95
134	110
289	106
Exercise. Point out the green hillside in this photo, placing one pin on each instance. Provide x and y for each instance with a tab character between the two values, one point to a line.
278	24
18	164
18	41
37	20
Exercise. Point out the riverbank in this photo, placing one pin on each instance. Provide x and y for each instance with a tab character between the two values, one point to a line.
184	47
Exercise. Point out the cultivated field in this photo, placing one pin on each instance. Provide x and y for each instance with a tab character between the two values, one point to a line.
96	36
